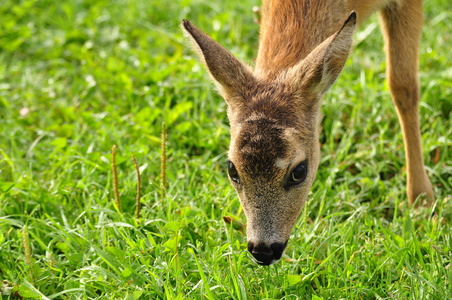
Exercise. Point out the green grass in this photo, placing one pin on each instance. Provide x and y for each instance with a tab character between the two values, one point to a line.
78	76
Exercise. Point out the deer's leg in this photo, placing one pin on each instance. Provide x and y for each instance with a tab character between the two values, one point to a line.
402	25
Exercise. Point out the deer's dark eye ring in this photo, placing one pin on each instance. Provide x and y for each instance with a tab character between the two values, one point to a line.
299	174
232	171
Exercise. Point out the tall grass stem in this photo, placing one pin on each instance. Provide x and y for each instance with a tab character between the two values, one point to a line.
115	178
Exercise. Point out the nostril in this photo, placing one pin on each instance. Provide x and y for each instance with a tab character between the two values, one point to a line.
262	253
250	247
278	249
262	249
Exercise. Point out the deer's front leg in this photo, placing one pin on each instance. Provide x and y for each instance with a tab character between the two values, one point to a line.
402	26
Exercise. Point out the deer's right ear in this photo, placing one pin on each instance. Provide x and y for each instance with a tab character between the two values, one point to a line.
231	76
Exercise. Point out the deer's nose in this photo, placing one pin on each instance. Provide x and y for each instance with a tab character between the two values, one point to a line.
266	255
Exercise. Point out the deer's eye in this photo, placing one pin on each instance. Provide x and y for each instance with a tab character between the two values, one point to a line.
298	174
232	171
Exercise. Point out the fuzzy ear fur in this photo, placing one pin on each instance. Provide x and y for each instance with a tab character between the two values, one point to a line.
231	76
322	66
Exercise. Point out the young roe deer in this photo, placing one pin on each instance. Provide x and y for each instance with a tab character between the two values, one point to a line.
274	108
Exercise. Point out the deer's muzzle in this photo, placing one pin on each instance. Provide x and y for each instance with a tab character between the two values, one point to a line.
266	255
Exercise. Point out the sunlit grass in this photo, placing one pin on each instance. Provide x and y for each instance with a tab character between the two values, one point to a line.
78	77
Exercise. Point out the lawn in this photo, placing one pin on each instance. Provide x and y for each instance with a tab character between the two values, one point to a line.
77	77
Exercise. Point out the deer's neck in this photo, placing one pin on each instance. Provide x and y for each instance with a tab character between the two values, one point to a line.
291	29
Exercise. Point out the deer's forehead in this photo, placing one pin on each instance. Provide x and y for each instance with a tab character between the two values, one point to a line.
262	145
261	137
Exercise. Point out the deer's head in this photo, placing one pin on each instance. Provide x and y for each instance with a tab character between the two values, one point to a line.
275	124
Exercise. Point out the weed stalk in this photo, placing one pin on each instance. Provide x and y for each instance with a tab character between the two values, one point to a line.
27	252
138	209
163	138
115	178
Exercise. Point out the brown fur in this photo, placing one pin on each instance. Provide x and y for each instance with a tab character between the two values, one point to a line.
274	109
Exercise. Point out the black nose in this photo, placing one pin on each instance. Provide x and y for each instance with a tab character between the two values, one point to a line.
266	255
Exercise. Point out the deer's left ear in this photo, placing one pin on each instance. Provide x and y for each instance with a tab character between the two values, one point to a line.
322	66
231	76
